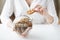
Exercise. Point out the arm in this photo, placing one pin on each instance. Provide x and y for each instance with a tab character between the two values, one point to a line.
43	11
52	11
7	12
17	10
50	15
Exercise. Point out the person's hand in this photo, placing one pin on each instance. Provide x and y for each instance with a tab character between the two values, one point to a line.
24	34
41	10
38	8
9	23
49	19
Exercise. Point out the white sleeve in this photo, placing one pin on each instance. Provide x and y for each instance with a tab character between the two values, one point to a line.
52	10
17	9
7	11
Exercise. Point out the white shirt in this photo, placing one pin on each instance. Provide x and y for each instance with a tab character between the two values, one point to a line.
20	6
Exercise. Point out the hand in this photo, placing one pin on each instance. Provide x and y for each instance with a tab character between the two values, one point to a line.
41	10
49	19
24	34
9	23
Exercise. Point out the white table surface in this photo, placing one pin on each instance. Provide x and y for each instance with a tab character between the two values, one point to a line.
38	32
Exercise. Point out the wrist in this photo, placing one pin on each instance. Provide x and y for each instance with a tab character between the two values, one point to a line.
46	15
49	19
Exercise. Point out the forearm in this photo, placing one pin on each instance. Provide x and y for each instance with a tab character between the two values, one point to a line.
6	21
7	11
51	10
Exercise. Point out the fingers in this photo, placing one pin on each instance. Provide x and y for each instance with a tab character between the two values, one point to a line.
37	8
24	34
43	11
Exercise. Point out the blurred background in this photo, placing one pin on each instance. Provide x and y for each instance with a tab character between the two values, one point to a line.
1	6
57	5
